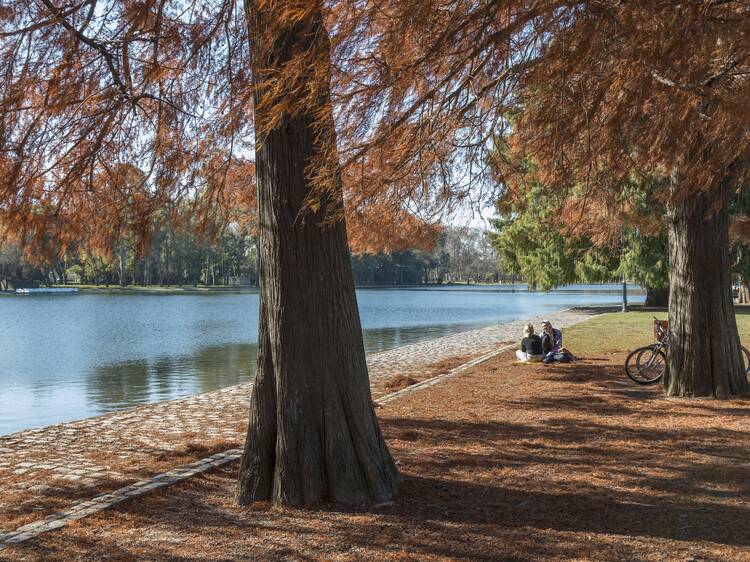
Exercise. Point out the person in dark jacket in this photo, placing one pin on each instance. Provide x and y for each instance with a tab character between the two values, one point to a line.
531	346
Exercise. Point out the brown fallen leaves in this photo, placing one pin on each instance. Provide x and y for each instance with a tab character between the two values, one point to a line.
406	379
504	461
400	382
25	500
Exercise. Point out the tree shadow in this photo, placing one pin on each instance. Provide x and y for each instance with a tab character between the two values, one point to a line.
655	488
592	458
592	373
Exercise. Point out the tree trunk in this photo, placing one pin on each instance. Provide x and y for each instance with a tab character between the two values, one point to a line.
704	356
121	269
657	297
313	434
156	253
257	261
743	295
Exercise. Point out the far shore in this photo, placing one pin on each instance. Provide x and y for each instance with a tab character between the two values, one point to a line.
202	289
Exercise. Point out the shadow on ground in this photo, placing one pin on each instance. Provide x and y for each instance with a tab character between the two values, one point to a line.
552	462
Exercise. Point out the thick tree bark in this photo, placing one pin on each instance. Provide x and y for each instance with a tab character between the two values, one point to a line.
313	434
657	297
704	354
259	458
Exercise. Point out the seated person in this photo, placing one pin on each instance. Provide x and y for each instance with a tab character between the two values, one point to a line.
552	344
531	346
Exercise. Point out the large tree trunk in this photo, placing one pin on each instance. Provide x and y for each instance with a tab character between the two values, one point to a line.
657	297
313	434
704	357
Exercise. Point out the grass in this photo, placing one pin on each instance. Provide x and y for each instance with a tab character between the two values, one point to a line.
616	332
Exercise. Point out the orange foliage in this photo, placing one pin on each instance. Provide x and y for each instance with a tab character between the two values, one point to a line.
643	87
419	91
380	228
739	230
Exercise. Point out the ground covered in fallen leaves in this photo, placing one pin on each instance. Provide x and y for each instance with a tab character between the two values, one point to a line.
504	461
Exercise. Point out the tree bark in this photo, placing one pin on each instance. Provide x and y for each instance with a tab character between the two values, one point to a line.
313	434
257	262
743	296
704	354
258	466
657	297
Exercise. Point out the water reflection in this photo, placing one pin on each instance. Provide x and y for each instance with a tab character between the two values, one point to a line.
130	383
383	339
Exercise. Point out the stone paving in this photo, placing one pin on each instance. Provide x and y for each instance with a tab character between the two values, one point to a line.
49	469
105	501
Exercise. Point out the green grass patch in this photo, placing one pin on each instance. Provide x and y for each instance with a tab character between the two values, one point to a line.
619	332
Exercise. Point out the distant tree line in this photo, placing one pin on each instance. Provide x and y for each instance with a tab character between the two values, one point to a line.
460	255
176	257
172	258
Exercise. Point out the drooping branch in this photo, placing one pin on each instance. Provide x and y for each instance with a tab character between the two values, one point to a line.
108	57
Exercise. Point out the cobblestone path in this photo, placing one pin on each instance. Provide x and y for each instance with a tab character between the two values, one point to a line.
44	470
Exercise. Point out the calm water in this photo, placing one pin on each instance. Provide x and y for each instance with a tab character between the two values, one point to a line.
67	357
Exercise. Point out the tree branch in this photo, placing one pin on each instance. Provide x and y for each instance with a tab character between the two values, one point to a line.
106	55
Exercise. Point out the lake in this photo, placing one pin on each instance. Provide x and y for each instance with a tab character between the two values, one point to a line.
68	357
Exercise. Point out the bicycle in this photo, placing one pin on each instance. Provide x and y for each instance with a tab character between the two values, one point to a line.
647	364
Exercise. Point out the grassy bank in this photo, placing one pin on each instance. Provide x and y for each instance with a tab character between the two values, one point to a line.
617	332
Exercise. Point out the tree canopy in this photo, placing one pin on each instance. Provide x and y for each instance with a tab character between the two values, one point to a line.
420	91
550	238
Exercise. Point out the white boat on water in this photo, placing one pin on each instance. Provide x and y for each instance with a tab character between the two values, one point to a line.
44	290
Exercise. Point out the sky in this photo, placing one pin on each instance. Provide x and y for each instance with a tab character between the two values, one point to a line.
467	215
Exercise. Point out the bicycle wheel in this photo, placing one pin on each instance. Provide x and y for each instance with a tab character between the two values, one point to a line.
746	360
646	365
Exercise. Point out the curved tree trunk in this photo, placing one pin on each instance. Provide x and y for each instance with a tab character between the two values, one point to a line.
704	358
259	457
313	434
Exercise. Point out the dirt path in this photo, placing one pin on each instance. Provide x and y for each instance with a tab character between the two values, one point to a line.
502	462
